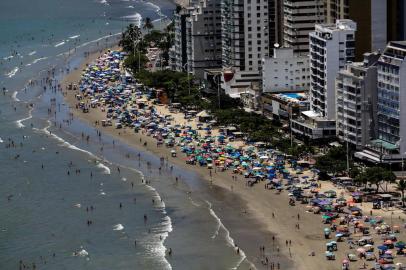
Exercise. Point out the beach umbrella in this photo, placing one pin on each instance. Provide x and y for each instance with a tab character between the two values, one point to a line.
388	242
361	250
382	247
400	244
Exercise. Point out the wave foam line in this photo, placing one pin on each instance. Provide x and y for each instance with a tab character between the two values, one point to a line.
8	57
14	96
136	18
46	131
36	61
1	140
166	222
157	9
75	36
59	44
12	73
20	124
229	239
88	43
32	53
106	170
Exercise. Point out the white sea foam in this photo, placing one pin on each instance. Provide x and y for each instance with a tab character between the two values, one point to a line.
157	9
118	227
12	73
14	96
137	18
130	6
229	239
20	124
94	41
81	253
63	142
193	202
78	205
75	36
8	57
36	61
32	53
59	44
106	170
1	140
166	223
104	2
102	192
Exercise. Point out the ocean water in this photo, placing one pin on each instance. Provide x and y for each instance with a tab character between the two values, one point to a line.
66	203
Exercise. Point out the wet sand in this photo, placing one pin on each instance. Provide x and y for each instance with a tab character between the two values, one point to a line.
270	211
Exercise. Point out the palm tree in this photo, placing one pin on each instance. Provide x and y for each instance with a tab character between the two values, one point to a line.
148	24
401	186
129	37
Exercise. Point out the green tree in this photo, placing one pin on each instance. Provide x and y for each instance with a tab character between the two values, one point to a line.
354	172
378	176
401	186
130	37
332	162
361	179
135	61
148	24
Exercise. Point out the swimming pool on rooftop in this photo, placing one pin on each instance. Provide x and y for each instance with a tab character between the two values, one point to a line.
292	95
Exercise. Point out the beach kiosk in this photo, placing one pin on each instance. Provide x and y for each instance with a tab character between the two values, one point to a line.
204	116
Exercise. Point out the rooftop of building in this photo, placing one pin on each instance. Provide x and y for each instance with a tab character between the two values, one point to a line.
292	97
340	25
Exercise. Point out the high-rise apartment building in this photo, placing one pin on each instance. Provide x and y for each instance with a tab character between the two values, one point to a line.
178	53
197	43
389	145
371	17
396	20
249	30
392	96
285	71
331	47
300	17
356	94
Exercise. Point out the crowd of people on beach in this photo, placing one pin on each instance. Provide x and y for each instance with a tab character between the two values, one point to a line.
105	85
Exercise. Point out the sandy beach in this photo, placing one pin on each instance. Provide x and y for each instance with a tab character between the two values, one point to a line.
270	209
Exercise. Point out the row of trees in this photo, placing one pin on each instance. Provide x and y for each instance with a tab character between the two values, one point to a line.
181	88
135	43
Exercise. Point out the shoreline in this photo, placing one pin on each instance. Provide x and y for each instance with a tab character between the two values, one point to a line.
256	199
276	221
